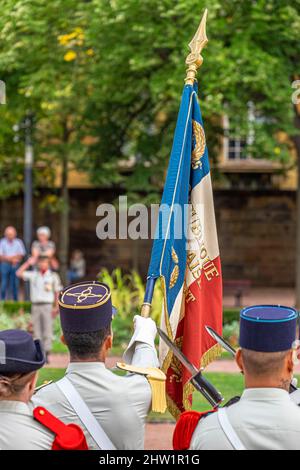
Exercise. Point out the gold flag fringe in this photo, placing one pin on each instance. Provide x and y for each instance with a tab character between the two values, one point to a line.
208	356
173	408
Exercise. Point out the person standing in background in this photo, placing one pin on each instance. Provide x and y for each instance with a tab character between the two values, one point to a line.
43	246
77	267
44	288
12	251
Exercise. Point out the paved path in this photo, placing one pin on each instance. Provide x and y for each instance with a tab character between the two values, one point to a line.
61	361
159	436
264	295
221	365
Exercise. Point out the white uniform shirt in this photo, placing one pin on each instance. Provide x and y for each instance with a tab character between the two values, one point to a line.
19	430
119	403
263	419
42	286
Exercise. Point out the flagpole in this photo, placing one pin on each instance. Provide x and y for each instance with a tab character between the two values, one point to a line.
146	307
193	61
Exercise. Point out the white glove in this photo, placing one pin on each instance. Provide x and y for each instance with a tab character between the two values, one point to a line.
142	325
144	332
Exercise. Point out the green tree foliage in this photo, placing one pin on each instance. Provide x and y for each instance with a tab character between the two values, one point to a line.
45	62
251	56
104	79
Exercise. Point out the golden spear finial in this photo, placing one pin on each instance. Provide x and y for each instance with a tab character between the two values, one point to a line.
194	59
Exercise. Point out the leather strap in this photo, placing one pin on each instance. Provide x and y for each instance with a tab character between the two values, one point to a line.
85	415
228	430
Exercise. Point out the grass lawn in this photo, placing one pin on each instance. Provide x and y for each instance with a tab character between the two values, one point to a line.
50	374
229	385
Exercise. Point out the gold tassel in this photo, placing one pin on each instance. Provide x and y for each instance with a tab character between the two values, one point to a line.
158	387
157	381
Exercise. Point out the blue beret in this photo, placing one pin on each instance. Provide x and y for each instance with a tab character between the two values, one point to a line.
19	353
268	328
85	307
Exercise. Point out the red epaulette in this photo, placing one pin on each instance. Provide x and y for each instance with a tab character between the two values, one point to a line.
67	436
185	428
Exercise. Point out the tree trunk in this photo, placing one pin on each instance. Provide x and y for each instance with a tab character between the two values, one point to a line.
296	140
64	222
64	215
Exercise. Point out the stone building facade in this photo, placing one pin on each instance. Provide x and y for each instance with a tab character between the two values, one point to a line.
256	229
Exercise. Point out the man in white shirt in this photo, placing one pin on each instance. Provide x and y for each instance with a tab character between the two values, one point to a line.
44	288
12	251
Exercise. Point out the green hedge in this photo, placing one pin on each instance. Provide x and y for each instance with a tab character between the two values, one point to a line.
230	315
12	308
127	294
17	315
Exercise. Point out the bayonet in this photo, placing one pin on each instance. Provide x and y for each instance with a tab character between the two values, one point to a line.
221	341
197	379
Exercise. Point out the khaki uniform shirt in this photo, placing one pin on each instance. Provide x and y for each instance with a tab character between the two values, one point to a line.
42	286
19	430
263	419
119	403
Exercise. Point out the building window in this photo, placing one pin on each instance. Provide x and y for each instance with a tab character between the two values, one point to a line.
236	148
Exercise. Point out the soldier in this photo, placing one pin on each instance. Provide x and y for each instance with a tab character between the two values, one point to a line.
22	428
112	408
44	288
265	417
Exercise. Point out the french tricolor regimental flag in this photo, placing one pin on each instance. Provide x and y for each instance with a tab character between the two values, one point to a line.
185	254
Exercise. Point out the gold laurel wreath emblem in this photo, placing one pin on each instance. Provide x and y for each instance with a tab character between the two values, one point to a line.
175	272
200	145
